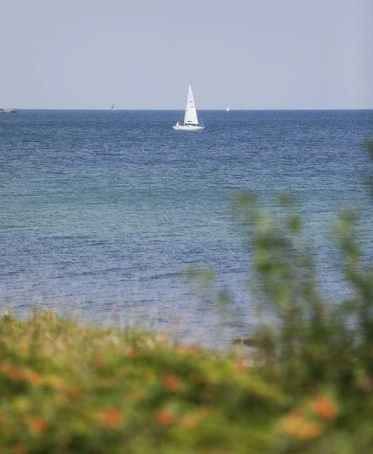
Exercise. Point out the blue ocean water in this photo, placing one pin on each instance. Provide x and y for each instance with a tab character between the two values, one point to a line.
101	211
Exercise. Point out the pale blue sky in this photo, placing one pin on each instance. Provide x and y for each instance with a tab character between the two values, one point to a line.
141	54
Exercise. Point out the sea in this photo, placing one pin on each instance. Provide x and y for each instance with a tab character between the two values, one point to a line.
103	211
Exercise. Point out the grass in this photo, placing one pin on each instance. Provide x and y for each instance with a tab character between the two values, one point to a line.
68	388
84	389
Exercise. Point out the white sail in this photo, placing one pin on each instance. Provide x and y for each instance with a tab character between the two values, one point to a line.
190	116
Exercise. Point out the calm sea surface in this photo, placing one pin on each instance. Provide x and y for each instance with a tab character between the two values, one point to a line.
101	211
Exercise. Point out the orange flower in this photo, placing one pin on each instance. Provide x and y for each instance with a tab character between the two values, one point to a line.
165	417
171	382
296	426
73	391
97	361
34	378
324	407
241	366
20	448
16	373
37	423
24	347
111	417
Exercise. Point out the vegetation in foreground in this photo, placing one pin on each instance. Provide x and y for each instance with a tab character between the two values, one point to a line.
306	388
67	388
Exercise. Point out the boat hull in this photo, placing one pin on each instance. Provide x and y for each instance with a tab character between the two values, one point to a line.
180	127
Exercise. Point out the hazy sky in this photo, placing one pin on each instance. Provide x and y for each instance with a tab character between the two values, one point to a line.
141	54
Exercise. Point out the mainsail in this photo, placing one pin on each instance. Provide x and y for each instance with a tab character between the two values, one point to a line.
190	116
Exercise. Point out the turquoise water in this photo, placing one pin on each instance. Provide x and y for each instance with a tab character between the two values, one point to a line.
102	210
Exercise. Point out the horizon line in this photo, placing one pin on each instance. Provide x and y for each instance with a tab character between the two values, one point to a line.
199	110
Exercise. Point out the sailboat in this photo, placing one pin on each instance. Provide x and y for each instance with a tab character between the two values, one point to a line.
190	122
228	108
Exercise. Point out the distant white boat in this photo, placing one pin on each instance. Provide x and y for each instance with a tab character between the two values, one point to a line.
228	108
190	117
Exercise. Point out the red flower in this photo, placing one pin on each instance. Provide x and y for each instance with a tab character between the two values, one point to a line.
37	423
241	366
165	417
171	382
34	378
111	417
20	448
324	407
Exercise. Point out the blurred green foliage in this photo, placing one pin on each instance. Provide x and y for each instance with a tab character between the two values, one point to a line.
67	388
